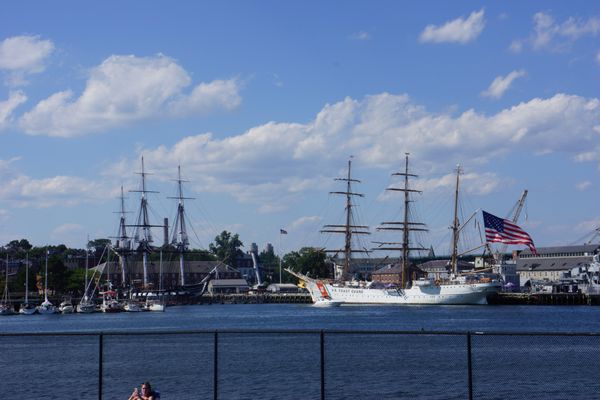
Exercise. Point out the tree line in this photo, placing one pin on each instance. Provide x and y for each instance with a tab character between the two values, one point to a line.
226	247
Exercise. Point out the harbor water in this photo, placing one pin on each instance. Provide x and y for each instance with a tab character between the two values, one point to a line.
285	363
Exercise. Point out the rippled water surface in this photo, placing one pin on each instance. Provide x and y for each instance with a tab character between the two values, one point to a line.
276	365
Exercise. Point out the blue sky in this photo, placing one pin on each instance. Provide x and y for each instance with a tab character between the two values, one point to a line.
262	103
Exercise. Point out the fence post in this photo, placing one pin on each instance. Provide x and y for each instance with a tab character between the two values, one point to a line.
322	365
469	366
216	366
100	362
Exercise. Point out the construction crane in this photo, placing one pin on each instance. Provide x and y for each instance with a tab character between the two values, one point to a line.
516	213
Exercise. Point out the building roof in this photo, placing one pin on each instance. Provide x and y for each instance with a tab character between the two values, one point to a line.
582	249
393	269
552	264
228	282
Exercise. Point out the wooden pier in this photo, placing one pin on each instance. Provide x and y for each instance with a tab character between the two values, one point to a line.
539	299
266	298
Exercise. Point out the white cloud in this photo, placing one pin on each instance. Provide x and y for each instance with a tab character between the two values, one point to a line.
24	191
501	84
125	89
471	182
459	30
581	186
270	164
516	46
361	36
207	96
549	35
24	53
7	107
303	221
598	57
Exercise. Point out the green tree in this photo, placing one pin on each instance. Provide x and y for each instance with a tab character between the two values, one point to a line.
269	263
97	246
308	261
18	246
226	248
58	274
18	285
76	282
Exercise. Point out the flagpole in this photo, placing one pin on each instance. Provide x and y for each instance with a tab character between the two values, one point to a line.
280	234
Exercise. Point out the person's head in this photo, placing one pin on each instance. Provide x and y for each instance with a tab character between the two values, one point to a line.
146	388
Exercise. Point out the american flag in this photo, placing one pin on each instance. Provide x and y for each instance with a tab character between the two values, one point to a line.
504	231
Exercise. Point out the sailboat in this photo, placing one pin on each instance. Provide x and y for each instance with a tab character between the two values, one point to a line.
153	302
421	291
27	308
86	304
46	307
6	307
110	302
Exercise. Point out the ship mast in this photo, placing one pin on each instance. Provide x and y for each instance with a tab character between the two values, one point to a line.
405	226
180	237
348	229
123	241
455	225
143	228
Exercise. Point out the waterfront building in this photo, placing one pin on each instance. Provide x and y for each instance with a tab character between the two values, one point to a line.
441	270
553	264
245	266
362	267
227	286
269	248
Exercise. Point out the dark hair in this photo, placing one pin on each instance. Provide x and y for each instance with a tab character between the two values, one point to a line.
147	385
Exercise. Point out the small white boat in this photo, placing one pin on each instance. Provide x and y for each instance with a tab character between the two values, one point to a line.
86	307
27	309
46	308
7	309
110	303
132	306
66	307
155	305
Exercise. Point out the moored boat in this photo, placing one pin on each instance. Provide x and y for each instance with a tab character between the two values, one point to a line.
66	307
26	308
458	290
6	307
46	307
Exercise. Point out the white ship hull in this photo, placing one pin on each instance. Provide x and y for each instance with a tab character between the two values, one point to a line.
425	293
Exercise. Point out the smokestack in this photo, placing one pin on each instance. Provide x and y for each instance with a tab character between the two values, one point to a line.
166	231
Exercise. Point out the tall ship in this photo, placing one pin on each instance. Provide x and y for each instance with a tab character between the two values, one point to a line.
456	290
